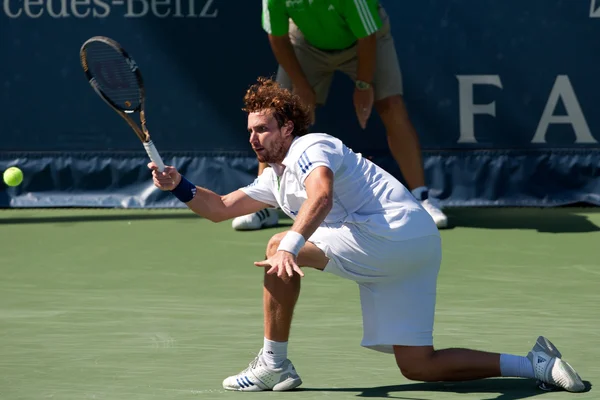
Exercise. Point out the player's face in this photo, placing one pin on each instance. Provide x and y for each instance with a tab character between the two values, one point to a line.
268	141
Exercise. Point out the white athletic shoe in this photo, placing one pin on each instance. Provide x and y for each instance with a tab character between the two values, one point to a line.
257	377
432	206
551	370
261	219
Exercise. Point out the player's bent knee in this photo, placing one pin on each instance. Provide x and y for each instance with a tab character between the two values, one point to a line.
273	244
415	363
417	373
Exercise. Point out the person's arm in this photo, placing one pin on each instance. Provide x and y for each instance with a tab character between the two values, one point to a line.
218	208
286	57
363	20
275	21
319	192
316	173
207	203
366	52
319	201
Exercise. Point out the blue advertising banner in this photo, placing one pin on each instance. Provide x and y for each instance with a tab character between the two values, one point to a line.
503	96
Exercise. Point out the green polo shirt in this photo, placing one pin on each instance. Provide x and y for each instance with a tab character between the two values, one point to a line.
325	24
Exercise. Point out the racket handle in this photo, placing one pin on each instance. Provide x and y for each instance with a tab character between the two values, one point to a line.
154	156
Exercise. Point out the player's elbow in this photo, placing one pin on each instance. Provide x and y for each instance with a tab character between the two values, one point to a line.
279	43
325	202
214	215
279	40
217	217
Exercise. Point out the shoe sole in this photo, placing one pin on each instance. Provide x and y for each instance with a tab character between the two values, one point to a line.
564	366
280	387
287	385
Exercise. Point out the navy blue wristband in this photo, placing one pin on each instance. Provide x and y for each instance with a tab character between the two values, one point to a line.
185	191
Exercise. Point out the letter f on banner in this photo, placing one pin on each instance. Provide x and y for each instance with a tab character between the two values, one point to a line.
466	106
594	9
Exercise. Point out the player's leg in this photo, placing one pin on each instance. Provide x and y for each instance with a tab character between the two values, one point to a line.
423	363
271	369
401	312
280	295
544	362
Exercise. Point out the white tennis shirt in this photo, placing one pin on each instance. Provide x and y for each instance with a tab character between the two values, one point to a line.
363	193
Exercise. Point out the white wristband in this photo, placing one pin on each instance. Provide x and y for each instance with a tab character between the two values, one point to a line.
292	242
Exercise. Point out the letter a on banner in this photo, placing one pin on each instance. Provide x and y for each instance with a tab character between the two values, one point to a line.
562	90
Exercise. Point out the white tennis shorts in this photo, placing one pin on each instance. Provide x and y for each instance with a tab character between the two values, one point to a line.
397	281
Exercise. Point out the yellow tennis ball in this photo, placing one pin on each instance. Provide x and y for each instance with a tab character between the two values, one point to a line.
13	176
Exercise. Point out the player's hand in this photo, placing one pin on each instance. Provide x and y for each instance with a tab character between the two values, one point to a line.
283	264
166	180
308	97
363	105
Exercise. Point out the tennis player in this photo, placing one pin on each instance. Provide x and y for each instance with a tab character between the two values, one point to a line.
354	220
310	41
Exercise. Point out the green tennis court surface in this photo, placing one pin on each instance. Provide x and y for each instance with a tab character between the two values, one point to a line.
125	305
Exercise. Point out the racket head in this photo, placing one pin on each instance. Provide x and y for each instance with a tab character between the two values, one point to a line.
113	74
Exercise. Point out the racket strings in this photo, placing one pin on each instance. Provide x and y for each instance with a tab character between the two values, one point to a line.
114	75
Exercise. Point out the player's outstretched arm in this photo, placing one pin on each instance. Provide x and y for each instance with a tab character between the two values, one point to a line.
202	201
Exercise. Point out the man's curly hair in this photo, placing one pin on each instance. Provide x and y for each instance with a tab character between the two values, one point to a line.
267	94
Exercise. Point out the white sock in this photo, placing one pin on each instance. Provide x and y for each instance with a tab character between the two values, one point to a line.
516	366
274	353
421	193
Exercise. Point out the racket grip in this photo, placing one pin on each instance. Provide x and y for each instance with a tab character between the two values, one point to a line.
154	156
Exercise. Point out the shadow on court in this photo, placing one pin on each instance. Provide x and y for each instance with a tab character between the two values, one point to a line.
101	217
490	389
548	220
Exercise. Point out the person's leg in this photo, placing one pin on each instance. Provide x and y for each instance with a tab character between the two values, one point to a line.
398	316
402	138
423	363
544	362
272	370
280	295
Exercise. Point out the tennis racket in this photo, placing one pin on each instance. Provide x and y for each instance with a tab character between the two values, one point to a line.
116	78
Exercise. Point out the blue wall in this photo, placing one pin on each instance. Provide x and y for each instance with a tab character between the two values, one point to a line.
503	95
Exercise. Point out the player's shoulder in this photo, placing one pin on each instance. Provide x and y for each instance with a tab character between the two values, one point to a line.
314	141
267	178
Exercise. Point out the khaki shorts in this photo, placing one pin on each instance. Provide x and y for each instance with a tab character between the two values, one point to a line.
320	65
